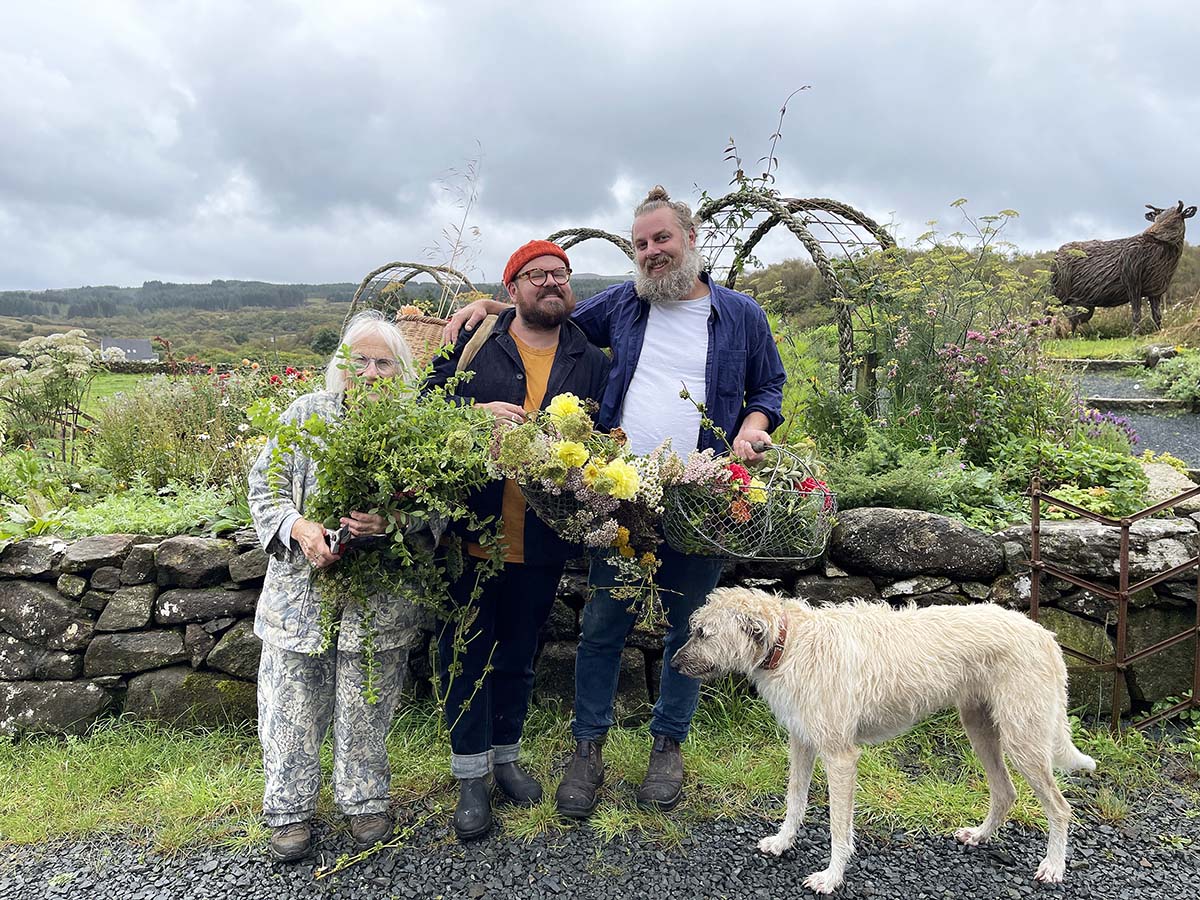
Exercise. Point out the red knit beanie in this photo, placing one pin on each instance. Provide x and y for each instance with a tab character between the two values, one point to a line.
529	251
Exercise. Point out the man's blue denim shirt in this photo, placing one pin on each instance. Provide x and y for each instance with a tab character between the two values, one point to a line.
744	371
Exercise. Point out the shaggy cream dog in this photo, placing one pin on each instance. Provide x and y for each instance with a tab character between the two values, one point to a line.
838	677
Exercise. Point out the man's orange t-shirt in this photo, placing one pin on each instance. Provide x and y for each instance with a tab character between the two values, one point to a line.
538	363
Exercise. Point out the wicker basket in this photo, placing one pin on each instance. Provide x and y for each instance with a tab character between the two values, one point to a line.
788	524
424	337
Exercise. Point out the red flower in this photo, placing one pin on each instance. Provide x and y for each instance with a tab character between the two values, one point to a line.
738	473
812	485
289	371
275	379
223	376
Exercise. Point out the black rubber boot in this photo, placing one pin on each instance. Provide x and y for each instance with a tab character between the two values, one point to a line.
662	787
579	791
516	785
473	814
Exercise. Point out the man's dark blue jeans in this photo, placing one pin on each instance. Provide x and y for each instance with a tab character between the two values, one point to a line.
513	608
685	582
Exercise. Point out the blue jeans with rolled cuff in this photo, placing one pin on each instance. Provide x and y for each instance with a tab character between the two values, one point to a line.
685	582
512	609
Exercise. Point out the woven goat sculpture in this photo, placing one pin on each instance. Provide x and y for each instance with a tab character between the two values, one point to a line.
1098	274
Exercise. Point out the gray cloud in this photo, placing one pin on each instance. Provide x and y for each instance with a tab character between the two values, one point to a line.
299	141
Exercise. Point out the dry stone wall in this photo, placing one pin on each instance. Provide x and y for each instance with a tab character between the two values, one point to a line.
162	629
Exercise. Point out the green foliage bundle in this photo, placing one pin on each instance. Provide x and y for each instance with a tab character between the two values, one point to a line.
410	457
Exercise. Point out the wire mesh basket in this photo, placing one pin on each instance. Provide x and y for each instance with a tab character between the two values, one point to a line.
556	510
779	521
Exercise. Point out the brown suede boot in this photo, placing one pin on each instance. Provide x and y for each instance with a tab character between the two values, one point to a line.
579	791
369	829
662	788
290	843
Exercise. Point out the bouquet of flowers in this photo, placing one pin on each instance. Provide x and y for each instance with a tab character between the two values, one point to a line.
715	506
588	487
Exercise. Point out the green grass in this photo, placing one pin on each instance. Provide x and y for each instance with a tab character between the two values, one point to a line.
107	384
1097	348
175	789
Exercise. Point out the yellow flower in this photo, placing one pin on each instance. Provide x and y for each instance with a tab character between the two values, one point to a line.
624	477
590	473
622	538
571	453
756	492
564	405
254	366
648	560
626	551
245	362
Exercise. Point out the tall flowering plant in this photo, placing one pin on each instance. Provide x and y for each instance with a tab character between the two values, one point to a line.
588	487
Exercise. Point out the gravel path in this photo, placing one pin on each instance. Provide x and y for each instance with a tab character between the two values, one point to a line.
1175	433
1111	384
1154	852
1178	435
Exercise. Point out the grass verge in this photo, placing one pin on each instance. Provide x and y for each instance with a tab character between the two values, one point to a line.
175	790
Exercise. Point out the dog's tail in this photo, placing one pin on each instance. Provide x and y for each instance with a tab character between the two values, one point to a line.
1068	757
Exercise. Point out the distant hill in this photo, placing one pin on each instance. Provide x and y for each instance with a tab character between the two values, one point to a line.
106	301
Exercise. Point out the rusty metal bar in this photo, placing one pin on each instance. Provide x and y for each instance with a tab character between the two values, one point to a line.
1165	504
1079	581
1164	576
1147	721
1162	645
1035	548
1122	658
1080	511
1079	654
1122	623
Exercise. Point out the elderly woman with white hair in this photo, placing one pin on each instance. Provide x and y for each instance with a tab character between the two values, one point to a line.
302	690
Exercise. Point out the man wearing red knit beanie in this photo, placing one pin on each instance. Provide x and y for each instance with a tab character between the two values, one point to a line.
523	357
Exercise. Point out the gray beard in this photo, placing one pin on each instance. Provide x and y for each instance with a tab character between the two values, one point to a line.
674	285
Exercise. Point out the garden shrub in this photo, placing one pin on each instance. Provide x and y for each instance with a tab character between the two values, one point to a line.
191	430
1178	377
965	406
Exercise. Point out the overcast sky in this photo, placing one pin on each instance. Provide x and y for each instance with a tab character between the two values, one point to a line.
314	141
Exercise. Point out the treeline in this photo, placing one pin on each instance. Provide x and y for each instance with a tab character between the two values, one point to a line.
106	301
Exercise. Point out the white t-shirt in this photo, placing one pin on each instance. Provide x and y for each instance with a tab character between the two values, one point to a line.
674	354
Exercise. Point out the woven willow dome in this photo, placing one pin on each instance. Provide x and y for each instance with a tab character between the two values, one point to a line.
383	289
827	228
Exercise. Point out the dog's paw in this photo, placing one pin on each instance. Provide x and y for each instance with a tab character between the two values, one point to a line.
775	844
972	837
1051	872
824	882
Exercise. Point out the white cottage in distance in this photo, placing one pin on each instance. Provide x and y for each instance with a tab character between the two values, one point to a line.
135	349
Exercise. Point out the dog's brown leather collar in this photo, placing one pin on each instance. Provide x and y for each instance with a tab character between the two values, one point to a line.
776	654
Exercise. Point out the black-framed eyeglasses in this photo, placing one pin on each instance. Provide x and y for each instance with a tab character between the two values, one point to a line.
537	277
